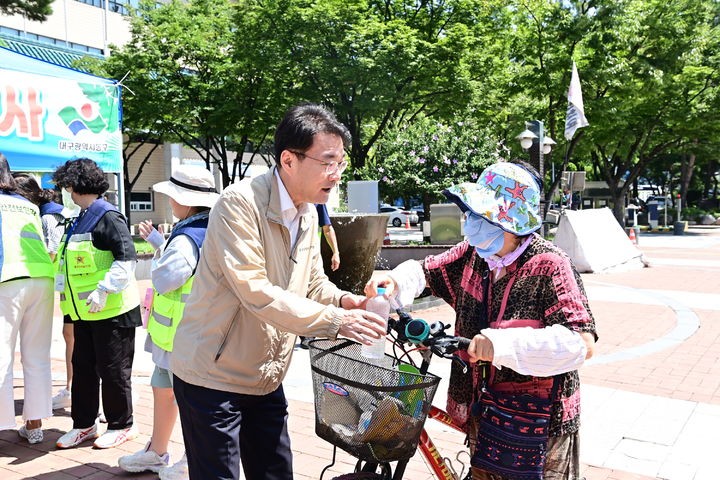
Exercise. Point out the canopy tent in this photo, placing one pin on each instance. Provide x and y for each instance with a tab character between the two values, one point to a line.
50	114
596	242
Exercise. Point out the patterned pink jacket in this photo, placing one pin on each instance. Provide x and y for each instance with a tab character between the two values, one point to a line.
541	288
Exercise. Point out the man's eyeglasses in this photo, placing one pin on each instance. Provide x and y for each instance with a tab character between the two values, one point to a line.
331	168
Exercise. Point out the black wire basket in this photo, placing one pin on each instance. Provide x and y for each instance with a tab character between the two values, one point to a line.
374	410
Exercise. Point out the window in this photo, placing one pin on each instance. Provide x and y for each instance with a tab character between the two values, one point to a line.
117	6
50	41
94	3
141	202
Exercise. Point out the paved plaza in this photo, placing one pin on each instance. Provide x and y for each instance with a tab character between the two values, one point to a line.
651	394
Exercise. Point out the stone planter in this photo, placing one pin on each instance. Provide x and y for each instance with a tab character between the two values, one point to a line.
359	237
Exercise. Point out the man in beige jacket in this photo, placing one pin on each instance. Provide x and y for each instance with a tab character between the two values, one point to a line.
259	284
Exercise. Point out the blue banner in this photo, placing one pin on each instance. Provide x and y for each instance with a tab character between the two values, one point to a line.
50	114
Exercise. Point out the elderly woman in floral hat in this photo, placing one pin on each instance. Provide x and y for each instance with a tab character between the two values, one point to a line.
520	300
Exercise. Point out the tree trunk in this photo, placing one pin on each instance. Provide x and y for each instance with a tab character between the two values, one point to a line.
618	205
686	171
426	199
358	156
128	188
709	174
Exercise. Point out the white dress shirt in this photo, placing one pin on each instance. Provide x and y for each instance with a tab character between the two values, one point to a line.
290	214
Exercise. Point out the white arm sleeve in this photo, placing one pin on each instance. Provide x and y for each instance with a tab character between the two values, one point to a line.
176	264
410	281
155	239
540	352
118	278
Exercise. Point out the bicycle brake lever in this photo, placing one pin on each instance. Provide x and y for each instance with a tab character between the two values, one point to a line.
440	351
462	362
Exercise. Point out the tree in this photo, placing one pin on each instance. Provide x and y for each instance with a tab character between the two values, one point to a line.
649	71
426	157
200	73
37	10
378	63
655	77
139	125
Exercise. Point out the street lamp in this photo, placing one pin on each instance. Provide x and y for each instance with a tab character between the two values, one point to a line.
548	145
526	138
533	138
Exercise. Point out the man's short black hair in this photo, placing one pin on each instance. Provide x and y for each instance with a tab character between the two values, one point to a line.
83	176
301	123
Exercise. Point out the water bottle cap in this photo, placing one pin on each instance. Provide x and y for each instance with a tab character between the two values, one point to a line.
381	291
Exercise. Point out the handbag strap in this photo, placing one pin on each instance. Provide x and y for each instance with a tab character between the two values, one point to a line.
484	320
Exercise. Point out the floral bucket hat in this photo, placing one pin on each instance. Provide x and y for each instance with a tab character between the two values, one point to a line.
506	195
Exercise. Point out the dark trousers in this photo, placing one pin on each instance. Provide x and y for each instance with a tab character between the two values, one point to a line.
221	429
102	351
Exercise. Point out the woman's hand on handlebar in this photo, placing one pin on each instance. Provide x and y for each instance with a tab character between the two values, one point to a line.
378	281
481	349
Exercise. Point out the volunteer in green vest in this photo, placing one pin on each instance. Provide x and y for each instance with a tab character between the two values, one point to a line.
54	218
26	307
99	293
192	193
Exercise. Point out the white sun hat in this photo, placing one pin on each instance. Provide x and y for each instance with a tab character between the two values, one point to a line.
190	186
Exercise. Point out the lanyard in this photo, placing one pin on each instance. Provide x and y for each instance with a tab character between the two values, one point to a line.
68	234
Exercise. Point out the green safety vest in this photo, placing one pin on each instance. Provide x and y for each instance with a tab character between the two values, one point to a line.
168	308
23	249
84	267
167	311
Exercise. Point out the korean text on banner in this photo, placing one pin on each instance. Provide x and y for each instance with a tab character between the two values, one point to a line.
45	121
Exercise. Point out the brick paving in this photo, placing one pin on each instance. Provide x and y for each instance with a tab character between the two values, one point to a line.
688	371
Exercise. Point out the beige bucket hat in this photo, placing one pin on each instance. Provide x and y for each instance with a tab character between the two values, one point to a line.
191	186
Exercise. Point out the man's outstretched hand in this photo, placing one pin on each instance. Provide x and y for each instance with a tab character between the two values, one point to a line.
362	326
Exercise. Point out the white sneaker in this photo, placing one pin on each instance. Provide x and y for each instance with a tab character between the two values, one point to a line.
144	460
113	438
179	471
33	435
61	400
76	436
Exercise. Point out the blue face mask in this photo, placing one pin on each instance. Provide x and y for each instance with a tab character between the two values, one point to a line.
488	239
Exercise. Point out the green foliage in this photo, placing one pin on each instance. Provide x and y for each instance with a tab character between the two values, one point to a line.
200	72
428	156
218	76
37	10
378	63
649	73
141	246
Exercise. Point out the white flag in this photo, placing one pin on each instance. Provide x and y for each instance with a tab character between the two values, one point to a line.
575	117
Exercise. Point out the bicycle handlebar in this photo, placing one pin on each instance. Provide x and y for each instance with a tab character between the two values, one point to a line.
431	336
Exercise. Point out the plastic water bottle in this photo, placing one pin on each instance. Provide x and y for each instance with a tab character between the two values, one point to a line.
381	306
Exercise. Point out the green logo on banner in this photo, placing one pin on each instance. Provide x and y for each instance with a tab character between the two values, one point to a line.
104	117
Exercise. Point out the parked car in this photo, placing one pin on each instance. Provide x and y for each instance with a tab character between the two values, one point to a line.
398	216
419	210
661	201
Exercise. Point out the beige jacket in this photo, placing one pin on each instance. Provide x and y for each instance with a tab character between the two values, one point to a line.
251	295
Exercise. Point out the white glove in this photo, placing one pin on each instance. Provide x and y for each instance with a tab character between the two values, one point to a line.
96	300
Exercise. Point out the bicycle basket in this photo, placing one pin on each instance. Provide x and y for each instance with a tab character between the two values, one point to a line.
373	412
